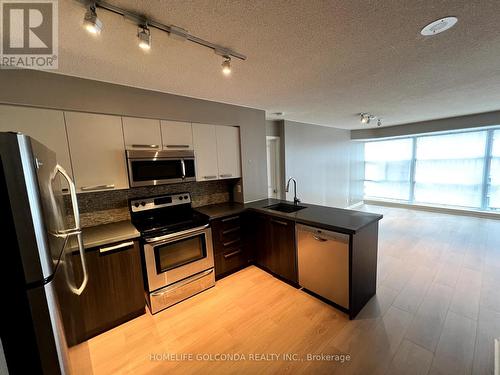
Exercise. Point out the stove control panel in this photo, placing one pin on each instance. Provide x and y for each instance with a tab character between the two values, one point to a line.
151	203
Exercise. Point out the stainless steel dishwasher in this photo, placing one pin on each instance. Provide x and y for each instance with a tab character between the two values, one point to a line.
323	262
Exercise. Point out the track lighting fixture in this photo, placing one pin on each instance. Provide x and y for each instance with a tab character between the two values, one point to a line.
226	66
94	26
144	35
91	22
366	118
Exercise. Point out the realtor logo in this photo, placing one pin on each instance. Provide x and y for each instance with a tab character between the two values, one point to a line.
29	32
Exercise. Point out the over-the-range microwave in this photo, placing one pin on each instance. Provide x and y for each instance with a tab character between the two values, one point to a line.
147	168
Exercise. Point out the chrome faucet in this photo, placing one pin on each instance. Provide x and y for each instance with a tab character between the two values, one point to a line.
295	199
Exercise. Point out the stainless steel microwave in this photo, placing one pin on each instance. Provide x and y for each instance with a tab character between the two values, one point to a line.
147	168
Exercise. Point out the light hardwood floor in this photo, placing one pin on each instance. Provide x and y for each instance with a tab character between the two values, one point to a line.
437	311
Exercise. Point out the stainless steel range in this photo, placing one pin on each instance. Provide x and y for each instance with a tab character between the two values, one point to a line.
177	248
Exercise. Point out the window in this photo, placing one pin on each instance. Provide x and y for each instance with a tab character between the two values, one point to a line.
387	169
449	169
460	169
493	200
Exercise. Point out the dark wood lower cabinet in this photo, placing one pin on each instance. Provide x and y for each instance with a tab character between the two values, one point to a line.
230	251
283	251
230	261
272	240
114	293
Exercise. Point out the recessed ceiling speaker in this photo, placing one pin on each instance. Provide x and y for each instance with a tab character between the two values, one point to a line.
438	26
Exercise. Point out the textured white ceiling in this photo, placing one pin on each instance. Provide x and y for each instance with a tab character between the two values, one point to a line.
319	62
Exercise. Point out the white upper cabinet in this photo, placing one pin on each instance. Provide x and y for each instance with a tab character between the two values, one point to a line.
177	135
205	151
97	151
141	133
228	151
44	125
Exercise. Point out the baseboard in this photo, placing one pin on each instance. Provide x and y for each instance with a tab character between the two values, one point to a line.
432	208
352	206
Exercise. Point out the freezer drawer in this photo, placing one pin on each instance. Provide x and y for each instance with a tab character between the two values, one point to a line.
323	262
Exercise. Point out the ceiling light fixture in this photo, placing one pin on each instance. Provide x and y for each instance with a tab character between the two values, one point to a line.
91	22
366	118
144	35
94	25
439	26
226	66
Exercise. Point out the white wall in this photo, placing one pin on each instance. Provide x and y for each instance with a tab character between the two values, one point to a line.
320	159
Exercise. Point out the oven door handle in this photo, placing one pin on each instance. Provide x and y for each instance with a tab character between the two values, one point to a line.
176	235
179	284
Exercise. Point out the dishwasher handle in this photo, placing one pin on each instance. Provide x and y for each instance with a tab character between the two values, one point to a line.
322	235
319	238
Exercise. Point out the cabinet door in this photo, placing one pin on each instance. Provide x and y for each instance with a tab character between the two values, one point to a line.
177	135
141	133
97	151
256	237
228	151
113	295
44	125
205	151
284	255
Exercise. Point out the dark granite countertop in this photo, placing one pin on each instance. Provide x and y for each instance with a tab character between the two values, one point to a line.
215	211
105	234
330	218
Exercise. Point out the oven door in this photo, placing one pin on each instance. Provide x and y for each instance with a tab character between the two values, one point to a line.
158	171
177	256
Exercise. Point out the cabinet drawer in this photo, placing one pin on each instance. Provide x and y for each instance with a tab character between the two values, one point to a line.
229	261
226	233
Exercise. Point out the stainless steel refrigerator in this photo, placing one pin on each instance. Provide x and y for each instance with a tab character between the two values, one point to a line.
36	274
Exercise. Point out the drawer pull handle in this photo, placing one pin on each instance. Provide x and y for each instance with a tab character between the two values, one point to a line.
232	254
225	244
176	146
145	146
97	187
230	219
209	177
235	229
182	283
116	247
226	175
284	223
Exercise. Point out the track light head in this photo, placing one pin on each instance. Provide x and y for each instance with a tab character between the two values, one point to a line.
365	118
144	36
91	22
226	66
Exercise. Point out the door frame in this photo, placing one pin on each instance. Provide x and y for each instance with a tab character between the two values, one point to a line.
277	142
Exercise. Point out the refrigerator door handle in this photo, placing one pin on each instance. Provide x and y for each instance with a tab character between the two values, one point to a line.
75	231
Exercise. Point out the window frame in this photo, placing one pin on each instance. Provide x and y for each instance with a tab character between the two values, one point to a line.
486	178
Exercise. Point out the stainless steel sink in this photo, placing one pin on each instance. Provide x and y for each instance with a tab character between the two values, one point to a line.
285	207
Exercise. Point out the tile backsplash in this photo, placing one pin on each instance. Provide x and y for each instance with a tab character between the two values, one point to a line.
110	206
